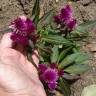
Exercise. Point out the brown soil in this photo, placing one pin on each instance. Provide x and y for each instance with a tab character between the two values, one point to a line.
83	10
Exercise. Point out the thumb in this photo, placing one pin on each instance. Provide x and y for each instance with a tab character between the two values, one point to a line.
6	42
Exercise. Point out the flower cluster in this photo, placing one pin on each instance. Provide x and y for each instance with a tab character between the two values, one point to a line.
65	17
55	44
22	28
50	75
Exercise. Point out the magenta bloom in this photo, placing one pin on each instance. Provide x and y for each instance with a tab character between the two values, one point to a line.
22	28
66	13
65	19
42	67
53	66
72	24
57	19
52	85
50	75
61	73
64	16
19	39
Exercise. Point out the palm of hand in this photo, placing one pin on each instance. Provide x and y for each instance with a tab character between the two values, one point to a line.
17	75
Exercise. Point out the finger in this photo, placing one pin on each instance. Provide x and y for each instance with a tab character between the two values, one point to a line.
35	57
6	42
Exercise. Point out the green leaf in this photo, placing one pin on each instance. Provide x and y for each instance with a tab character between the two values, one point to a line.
46	18
63	54
68	60
70	77
43	48
75	49
36	12
41	59
81	59
55	54
85	27
44	55
55	39
64	87
77	69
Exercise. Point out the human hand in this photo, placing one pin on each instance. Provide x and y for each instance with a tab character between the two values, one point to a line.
18	77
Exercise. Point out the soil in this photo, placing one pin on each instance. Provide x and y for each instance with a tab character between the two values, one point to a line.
83	10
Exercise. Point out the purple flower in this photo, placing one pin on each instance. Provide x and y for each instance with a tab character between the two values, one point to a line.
64	16
52	85
50	75
66	13
22	28
61	73
42	67
19	39
57	19
72	24
53	66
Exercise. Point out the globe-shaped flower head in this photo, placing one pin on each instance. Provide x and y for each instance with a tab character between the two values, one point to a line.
22	28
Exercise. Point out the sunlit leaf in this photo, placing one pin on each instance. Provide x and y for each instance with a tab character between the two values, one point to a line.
55	39
45	49
81	59
41	59
68	60
36	11
85	27
55	53
77	69
63	53
70	77
46	18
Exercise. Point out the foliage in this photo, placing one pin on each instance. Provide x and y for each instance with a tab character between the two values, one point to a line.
55	39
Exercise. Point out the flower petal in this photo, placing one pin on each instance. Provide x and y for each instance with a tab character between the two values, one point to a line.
72	24
66	13
61	73
50	75
42	67
52	85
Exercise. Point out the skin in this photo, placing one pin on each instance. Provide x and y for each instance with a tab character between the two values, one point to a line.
18	77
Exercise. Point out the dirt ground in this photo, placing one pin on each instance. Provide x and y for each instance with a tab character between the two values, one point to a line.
83	10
